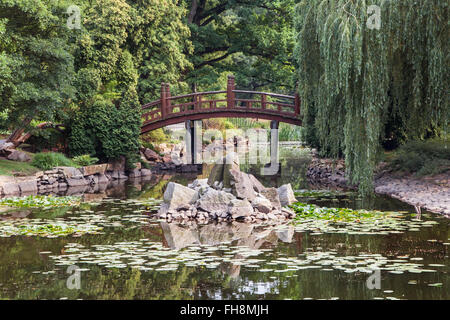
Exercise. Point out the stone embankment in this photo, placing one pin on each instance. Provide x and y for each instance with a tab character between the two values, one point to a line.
60	179
227	195
432	193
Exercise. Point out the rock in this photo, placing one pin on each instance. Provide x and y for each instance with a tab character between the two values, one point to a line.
197	183
242	186
240	209
76	182
94	169
11	189
257	186
176	195
167	159
134	173
176	159
286	195
262	204
272	195
215	201
28	186
216	174
271	216
151	155
6	148
146	172
69	172
92	180
17	155
102	179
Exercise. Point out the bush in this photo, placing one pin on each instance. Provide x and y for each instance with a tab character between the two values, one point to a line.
84	160
155	137
49	160
107	131
422	157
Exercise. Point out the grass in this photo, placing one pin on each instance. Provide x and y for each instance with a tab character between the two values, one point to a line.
49	160
10	168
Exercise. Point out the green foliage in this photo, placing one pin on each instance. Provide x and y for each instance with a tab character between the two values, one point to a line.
422	157
46	139
40	201
49	160
251	39
36	66
288	132
311	211
155	137
361	86
84	160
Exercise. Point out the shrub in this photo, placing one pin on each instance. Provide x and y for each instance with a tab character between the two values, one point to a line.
155	137
422	157
84	160
49	160
107	131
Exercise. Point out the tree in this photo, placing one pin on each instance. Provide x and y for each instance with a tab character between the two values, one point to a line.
358	83
36	64
252	39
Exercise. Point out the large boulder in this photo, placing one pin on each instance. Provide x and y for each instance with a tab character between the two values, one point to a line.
214	201
257	186
221	169
286	195
272	195
10	189
241	184
28	186
177	195
240	208
20	156
68	172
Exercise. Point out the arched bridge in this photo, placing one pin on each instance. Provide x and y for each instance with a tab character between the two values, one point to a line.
231	103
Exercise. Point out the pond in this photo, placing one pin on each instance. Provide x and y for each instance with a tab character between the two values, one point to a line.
121	252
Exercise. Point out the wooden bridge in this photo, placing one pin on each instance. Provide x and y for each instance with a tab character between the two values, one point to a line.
231	103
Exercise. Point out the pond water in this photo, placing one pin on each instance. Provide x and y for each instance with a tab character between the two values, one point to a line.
135	256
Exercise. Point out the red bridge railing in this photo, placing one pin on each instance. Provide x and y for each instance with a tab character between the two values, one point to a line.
230	103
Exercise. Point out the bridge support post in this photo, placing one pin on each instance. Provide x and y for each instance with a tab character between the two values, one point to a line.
193	141
274	167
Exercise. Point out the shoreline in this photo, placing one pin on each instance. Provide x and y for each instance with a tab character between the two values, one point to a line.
431	193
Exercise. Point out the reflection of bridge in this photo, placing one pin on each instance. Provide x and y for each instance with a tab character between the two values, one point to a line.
231	103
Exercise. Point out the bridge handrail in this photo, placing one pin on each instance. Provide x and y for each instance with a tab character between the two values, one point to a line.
277	95
164	108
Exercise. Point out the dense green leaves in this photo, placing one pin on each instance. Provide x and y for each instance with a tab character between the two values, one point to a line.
36	66
361	86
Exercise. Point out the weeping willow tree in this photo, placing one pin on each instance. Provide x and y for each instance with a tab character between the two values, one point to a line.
361	84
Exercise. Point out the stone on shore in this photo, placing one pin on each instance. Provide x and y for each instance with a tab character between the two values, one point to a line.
262	204
286	195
